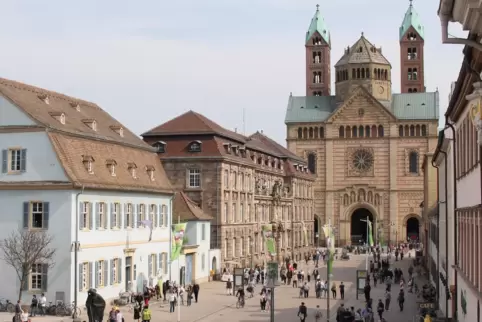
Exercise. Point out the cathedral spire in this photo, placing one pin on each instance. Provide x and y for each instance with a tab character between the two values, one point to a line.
411	20
318	26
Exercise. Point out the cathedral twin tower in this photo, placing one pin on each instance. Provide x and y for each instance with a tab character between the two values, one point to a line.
363	63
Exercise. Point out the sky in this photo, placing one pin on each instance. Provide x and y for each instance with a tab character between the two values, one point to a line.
148	61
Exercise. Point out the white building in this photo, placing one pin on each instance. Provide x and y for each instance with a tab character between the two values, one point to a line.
72	170
441	232
197	260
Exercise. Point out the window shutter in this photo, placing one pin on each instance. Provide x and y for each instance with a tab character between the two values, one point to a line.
81	219
45	275
149	266
81	277
106	273
96	274
112	209
46	207
4	161
91	215
158	215
26	212
125	216
156	261
91	275
159	258
119	270
98	224
134	216
106	216
112	272
23	160
161	216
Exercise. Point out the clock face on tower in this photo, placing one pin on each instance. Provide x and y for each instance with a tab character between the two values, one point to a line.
381	90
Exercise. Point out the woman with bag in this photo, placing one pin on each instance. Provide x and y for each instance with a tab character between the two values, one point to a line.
333	290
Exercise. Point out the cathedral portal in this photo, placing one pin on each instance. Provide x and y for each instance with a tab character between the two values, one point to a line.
359	228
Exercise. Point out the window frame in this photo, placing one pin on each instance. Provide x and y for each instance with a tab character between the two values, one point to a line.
101	218
194	175
31	215
40	276
115	213
413	166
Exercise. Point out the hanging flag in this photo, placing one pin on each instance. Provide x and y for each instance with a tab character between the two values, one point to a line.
147	223
330	245
177	240
370	233
269	240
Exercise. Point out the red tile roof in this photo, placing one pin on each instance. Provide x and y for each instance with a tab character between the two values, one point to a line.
186	209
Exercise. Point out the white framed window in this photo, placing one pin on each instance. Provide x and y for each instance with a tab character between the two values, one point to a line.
194	178
153	215
101	273
163	219
141	212
128	216
14	160
85	215
36	215
85	277
38	277
112	170
115	215
115	271
101	219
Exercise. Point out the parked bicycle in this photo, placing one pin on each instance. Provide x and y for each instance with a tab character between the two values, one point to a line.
65	310
6	306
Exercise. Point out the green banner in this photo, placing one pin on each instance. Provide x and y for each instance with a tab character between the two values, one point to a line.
177	240
269	240
370	233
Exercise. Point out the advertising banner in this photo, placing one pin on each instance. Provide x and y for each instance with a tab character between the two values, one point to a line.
269	240
177	240
330	243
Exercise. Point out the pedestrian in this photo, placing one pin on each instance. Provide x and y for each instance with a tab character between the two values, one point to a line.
112	315
318	314
118	315
195	290
43	304
401	299
375	279
172	301
33	305
158	291
137	312
262	301
380	309
18	312
146	314
302	312
388	298
342	290
229	287
333	290
366	291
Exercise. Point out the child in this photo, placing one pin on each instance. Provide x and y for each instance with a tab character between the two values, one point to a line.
146	314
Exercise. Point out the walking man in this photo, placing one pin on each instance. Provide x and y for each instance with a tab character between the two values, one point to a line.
342	290
388	298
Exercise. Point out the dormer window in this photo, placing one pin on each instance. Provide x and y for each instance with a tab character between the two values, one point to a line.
118	129
111	164
227	147
58	116
160	146
235	149
88	162
90	123
132	167
75	105
195	146
44	98
150	172
242	149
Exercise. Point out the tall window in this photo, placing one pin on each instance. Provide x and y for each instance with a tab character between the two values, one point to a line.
36	215
163	216
115	215
141	213
235	181
85	277
248	212
194	178
128	221
413	162
225	212
312	162
226	179
153	215
380	131
241	210
101	220
234	215
85	215
38	277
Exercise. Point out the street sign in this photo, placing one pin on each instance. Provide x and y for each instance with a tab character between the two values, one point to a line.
272	279
238	277
361	279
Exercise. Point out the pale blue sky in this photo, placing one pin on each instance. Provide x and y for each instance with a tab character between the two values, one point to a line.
148	61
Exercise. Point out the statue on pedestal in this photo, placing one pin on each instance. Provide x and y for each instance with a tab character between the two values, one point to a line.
95	305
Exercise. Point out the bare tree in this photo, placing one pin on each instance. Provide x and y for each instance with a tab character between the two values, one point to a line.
25	248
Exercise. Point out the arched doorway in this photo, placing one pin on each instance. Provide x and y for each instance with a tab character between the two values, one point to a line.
413	227
214	265
359	226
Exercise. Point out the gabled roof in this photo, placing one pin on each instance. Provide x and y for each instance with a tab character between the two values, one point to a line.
75	142
406	106
318	25
362	52
275	147
186	210
33	101
411	19
191	123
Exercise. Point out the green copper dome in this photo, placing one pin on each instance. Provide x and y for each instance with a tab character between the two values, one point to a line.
318	24
412	19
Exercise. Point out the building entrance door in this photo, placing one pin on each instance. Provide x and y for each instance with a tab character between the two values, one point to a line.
128	273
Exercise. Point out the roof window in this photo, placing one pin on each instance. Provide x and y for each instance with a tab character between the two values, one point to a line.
88	162
111	164
195	146
118	129
132	167
59	116
90	123
75	105
150	172
44	98
160	146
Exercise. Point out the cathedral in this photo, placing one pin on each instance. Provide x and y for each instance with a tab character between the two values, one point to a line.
365	143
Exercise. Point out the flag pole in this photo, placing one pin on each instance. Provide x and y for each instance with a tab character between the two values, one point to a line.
179	270
328	274
368	242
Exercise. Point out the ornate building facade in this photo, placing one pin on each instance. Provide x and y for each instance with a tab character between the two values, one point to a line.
365	144
243	183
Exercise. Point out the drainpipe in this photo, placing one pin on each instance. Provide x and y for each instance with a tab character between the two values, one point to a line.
447	291
456	252
445	15
170	234
438	225
76	255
